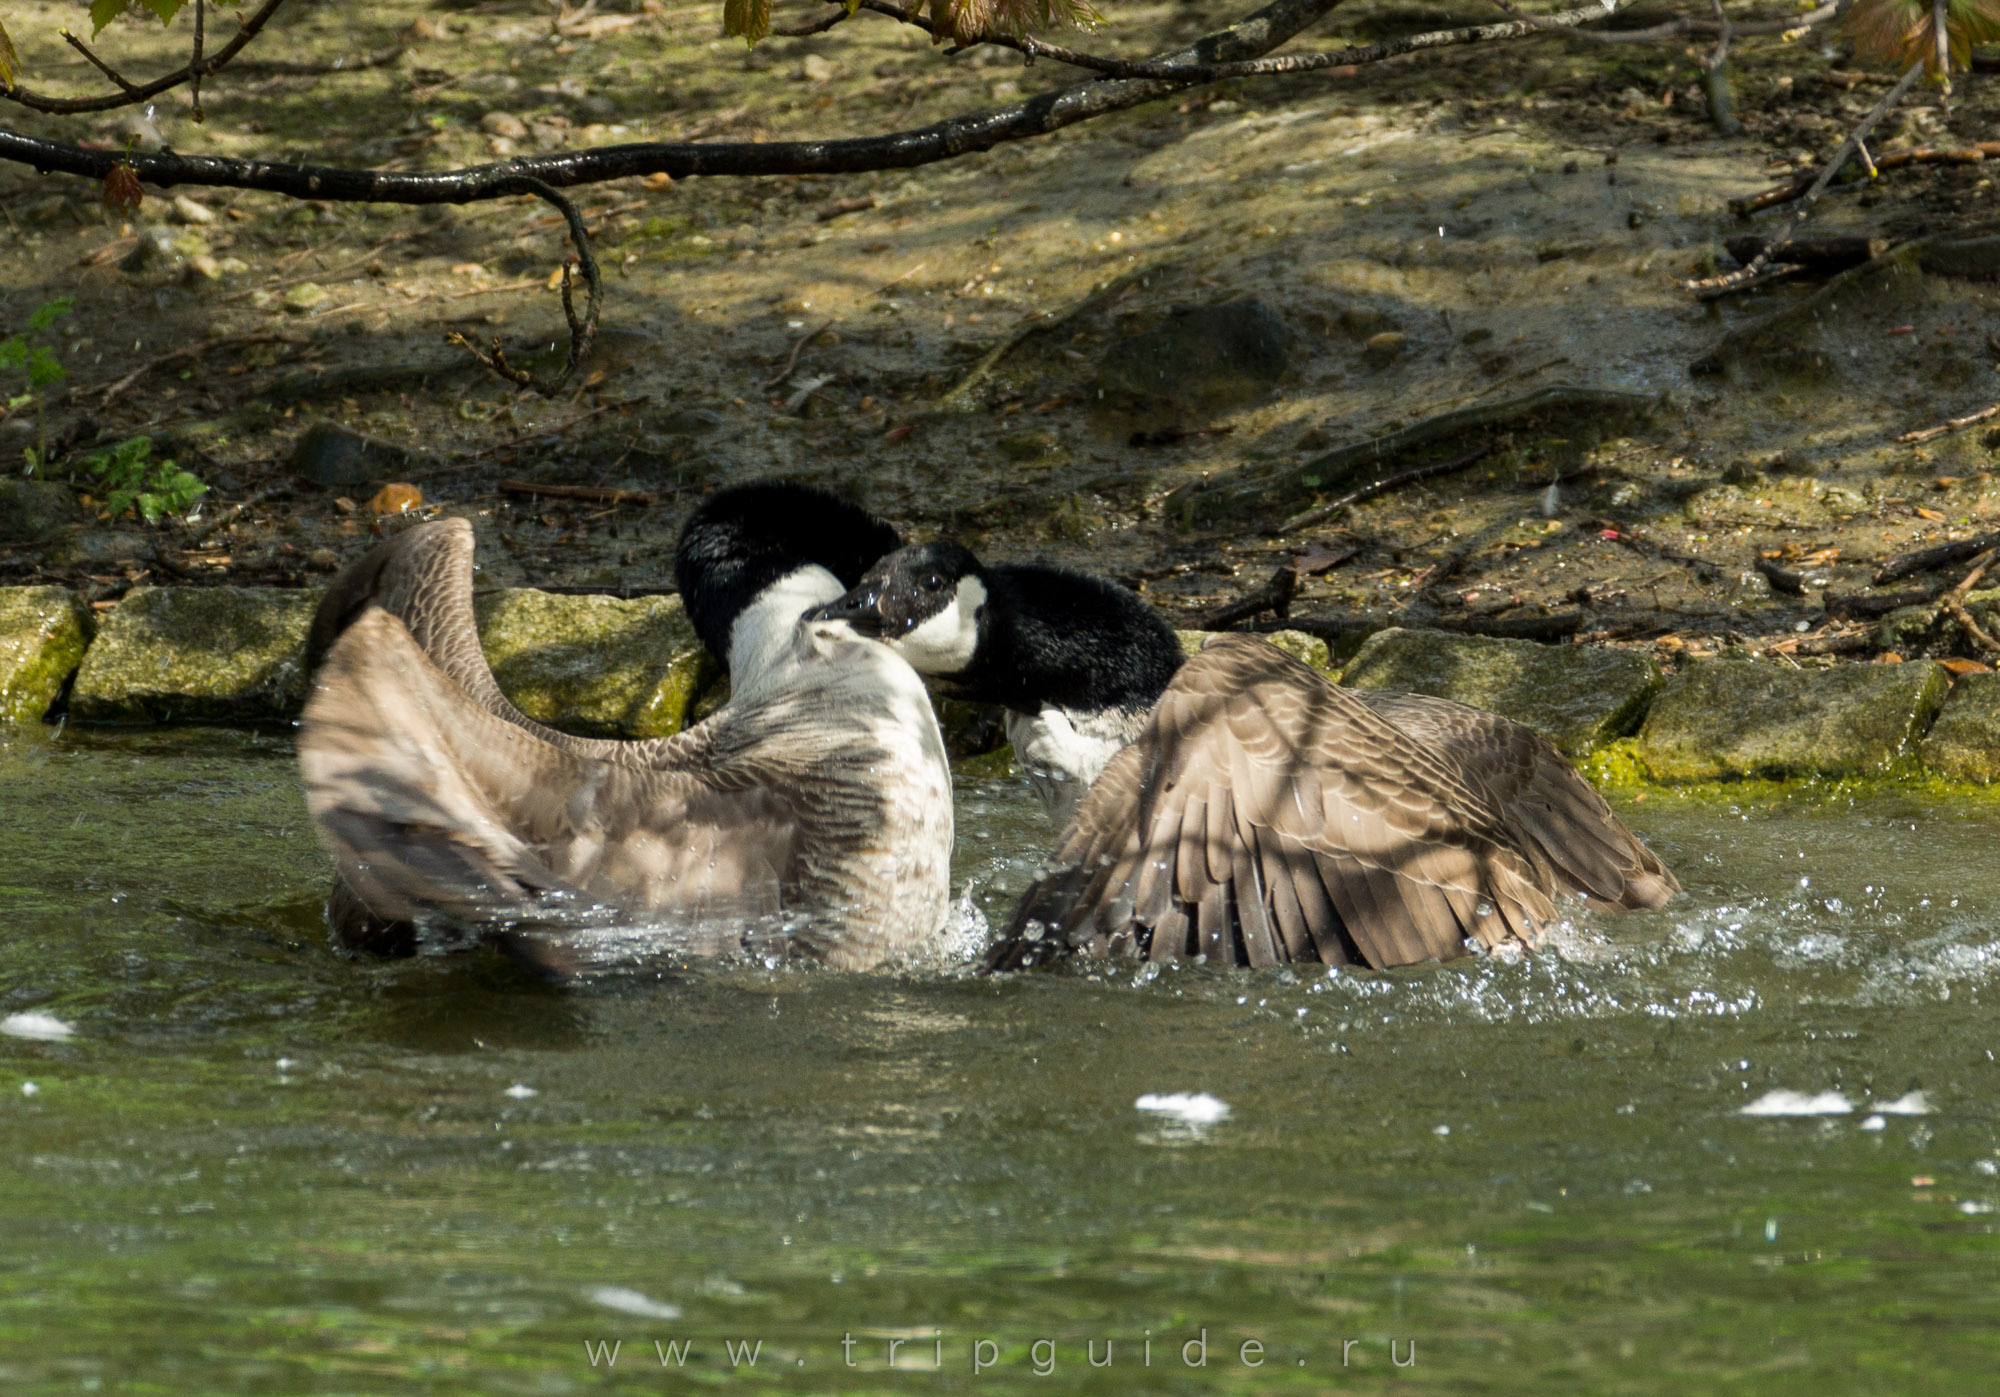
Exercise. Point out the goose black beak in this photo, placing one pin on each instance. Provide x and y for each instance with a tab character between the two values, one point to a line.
860	609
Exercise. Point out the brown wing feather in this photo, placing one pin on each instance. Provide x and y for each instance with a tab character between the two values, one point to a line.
1556	816
1325	824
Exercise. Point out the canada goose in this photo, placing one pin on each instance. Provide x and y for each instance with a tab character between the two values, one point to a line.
812	812
1240	805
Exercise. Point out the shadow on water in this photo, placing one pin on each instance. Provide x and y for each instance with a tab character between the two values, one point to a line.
257	1167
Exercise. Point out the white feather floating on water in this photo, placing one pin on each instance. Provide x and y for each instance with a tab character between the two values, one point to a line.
41	1028
1797	1103
626	1300
1912	1103
1187	1107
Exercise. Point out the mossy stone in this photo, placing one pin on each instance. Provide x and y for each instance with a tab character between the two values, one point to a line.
1964	744
595	666
1721	719
1578	697
1306	649
44	632
197	655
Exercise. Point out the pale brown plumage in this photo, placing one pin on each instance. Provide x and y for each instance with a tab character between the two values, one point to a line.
1267	815
781	815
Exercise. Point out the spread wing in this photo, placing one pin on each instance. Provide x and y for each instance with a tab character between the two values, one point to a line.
1266	815
434	806
1555	816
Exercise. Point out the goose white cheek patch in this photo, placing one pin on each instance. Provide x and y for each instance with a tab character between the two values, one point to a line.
946	642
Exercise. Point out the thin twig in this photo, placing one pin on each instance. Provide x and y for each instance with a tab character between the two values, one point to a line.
1971	419
1872	166
1708	288
471	459
191	351
194	60
595	494
582	333
818	26
1381	487
129	95
1952	603
105	68
792	359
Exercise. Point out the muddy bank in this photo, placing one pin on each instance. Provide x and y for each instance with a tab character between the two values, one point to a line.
998	347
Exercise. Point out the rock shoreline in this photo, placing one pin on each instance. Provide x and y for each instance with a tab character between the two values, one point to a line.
606	667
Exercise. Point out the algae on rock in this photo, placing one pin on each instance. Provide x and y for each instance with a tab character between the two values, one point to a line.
1578	697
44	632
595	666
197	654
1722	719
1964	743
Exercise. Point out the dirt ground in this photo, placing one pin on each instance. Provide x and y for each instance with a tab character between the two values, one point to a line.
1510	217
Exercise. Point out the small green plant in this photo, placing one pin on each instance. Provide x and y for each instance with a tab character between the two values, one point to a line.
130	478
24	353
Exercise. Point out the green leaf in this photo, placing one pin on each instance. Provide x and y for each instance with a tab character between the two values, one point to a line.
102	12
50	312
10	61
44	369
165	9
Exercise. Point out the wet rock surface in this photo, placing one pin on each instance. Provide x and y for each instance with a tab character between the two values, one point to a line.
1577	697
332	455
595	665
1722	719
32	511
1199	357
1964	743
43	634
197	655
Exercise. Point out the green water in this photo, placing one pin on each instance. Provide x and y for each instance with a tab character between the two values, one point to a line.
260	1168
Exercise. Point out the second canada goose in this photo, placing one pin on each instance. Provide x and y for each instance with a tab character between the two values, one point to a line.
812	812
1240	805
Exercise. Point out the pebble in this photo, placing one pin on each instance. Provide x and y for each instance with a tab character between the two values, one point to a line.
1385	348
304	298
817	69
188	211
505	125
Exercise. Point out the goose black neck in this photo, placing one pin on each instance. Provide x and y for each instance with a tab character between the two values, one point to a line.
1049	636
743	539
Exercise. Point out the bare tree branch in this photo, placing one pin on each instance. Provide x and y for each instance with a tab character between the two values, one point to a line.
130	93
1256	33
1708	288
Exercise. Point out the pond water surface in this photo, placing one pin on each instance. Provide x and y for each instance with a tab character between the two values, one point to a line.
257	1167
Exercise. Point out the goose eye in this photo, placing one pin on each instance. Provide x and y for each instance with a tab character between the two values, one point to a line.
932	583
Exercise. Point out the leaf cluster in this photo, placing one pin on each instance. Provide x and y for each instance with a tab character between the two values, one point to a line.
22	353
131	479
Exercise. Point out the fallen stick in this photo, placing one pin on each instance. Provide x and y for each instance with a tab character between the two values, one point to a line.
1781	579
1275	596
594	493
792	359
1381	487
1941	556
1797	186
1835	253
1985	414
191	351
992	359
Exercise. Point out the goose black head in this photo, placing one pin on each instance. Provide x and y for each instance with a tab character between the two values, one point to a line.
743	540
927	603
